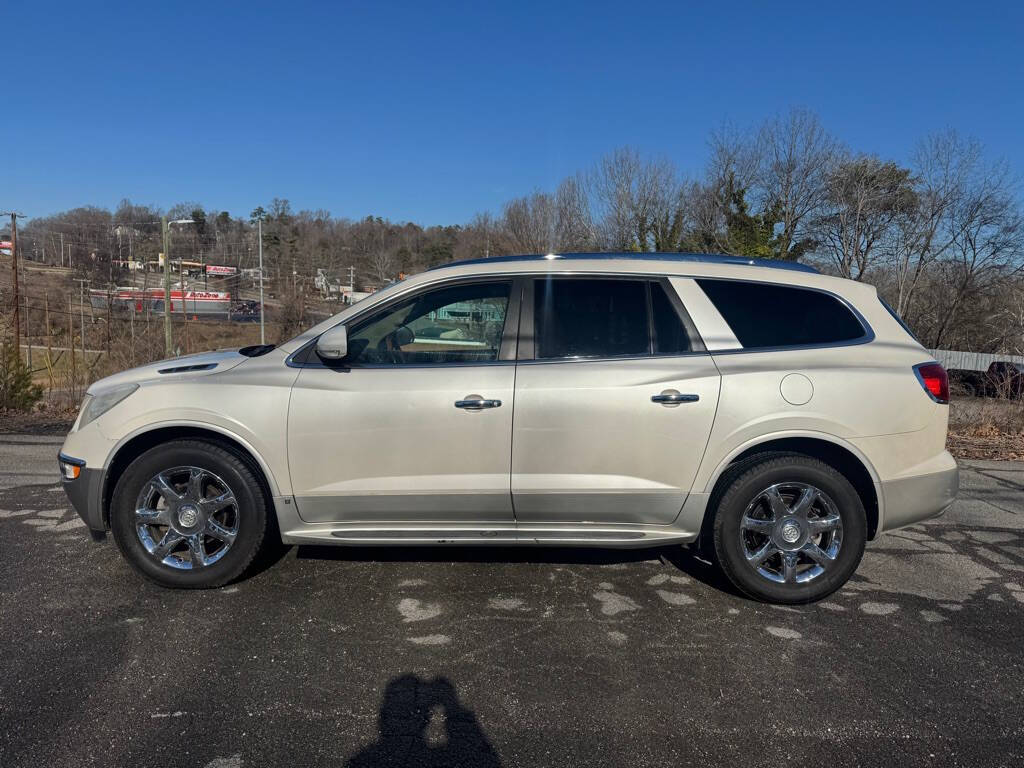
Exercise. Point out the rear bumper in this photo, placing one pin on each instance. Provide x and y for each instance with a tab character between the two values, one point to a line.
910	500
85	493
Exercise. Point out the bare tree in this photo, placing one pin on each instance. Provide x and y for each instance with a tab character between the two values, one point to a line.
733	153
732	171
794	158
942	165
612	182
575	227
483	237
864	197
532	223
704	227
986	233
382	266
631	195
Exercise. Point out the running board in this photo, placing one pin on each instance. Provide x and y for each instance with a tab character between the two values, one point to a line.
412	537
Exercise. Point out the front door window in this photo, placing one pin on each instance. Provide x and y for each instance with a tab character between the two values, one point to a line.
457	324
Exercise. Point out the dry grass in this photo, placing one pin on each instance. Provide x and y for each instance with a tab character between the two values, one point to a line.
986	428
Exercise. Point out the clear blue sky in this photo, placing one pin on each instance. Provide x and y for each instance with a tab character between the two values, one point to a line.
428	114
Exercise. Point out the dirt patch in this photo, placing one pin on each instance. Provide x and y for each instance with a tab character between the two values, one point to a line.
47	422
986	428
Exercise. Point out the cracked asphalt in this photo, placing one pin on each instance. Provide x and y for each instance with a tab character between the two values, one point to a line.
510	657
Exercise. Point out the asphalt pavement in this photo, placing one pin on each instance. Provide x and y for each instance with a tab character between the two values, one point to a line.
510	657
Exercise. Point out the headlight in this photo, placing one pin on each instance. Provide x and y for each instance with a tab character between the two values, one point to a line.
96	405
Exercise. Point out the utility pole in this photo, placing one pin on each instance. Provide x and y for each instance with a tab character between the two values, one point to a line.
131	323
49	357
71	343
166	225
14	276
81	326
263	337
28	334
351	279
168	340
184	304
109	300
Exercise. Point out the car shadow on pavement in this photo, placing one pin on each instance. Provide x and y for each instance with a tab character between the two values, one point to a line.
695	565
686	559
269	555
469	554
423	723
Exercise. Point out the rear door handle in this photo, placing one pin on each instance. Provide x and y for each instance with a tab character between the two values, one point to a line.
477	403
672	397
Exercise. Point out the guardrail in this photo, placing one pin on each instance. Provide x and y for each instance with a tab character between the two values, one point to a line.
971	361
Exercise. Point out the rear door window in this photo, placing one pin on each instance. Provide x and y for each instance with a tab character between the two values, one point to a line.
764	315
590	318
601	318
670	336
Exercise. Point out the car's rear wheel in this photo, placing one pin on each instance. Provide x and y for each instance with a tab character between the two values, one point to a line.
789	529
189	514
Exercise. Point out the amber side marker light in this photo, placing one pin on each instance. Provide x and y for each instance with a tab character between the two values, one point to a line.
69	470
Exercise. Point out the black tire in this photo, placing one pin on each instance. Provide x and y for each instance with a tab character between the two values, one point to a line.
744	486
250	511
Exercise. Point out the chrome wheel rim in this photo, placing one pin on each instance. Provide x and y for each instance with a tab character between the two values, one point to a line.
186	517
791	533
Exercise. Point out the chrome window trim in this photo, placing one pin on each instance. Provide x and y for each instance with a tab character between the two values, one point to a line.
526	273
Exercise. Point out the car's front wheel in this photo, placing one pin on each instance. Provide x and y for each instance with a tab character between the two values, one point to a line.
189	514
789	529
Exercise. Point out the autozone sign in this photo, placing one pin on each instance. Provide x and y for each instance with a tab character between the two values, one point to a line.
213	269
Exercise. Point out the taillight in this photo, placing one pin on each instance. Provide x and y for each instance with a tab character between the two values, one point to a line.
934	380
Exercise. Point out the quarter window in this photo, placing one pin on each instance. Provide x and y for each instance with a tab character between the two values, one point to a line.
768	315
457	324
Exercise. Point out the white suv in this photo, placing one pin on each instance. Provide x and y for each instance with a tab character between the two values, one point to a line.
778	417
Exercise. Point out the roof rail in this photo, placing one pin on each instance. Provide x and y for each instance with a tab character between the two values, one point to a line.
703	258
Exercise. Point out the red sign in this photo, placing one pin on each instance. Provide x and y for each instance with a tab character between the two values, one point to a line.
213	269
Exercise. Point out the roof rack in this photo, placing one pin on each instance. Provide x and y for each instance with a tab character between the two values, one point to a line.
703	258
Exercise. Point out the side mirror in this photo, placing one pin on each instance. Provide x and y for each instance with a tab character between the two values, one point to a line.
333	344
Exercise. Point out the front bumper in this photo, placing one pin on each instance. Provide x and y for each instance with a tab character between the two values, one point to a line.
85	493
910	500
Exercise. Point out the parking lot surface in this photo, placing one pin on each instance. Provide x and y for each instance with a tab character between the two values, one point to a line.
511	657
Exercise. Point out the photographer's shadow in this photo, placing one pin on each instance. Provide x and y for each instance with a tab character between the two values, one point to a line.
422	723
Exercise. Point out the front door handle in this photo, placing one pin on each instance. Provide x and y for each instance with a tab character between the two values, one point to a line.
672	397
477	403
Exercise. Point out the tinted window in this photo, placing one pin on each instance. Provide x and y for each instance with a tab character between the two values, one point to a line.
458	324
590	318
767	315
670	337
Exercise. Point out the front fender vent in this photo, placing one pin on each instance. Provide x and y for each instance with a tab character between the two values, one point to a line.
188	368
